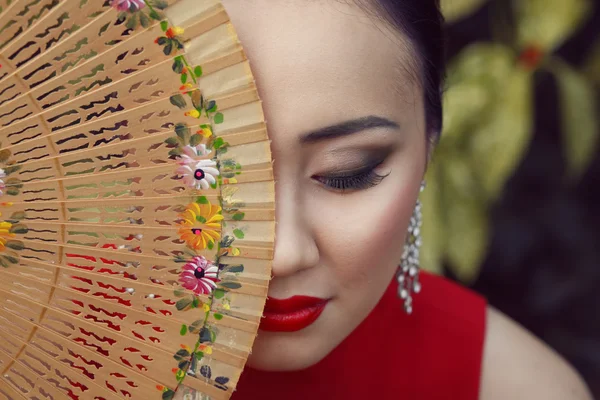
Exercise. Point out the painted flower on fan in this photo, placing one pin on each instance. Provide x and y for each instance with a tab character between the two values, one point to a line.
174	31
2	184
197	173
128	5
200	225
205	131
199	275
5	228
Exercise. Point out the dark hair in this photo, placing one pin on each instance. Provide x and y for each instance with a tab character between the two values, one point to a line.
422	22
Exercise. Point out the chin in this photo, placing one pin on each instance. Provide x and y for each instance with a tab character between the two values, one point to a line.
286	351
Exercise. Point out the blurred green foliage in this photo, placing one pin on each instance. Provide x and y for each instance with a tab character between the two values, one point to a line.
488	122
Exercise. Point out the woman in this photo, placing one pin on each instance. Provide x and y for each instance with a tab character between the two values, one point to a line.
351	94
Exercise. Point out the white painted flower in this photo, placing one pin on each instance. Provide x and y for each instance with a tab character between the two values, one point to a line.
197	173
2	184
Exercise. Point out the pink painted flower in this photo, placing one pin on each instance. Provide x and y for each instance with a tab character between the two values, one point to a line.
197	173
128	5
199	275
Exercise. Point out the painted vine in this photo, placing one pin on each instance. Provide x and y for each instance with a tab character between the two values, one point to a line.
201	222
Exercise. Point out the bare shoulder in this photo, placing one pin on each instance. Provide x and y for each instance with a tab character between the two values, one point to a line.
517	365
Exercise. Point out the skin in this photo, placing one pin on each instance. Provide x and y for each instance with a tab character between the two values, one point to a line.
332	62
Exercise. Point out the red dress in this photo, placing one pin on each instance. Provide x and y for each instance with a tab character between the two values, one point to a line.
435	353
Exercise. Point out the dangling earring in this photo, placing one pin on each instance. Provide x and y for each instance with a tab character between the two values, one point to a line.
408	272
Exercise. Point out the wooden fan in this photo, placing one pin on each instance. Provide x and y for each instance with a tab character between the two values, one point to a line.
136	199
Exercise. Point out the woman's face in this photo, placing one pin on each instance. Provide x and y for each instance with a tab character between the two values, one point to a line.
326	64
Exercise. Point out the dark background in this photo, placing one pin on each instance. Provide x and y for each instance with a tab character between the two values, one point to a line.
543	265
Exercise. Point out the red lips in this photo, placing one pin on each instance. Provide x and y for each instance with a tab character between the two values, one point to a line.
291	315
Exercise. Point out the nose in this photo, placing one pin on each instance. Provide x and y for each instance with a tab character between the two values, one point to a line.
295	246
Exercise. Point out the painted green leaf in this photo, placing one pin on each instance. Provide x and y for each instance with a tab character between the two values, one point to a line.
10	259
184	78
154	15
238	233
132	22
168	49
160	4
219	293
196	302
195	140
230	285
19	229
4	155
182	131
211	106
202	200
177	65
17	215
198	71
178	101
234	269
577	97
181	354
183	303
238	216
218	143
168	394
103	28
15	245
164	25
219	118
218	316
548	23
197	99
183	330
455	10
144	20
172	141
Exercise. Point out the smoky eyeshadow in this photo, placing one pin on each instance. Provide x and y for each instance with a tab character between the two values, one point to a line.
356	162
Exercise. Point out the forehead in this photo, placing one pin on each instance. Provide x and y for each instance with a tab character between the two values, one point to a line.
323	61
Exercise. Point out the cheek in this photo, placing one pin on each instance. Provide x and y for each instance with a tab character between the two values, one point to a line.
363	237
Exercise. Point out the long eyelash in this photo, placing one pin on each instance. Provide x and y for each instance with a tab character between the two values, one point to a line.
361	181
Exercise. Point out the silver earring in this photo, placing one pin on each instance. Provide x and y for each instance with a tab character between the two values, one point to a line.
408	272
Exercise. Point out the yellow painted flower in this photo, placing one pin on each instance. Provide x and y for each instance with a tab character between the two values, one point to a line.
205	132
205	349
193	113
5	234
227	306
201	225
174	31
206	308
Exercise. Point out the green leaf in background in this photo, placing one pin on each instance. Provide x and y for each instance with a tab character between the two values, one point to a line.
433	230
547	23
591	69
475	78
466	216
577	97
500	141
455	10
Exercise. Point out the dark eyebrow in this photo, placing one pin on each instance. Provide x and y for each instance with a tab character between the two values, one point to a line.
348	128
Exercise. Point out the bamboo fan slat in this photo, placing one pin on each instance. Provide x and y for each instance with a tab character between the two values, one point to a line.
136	200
